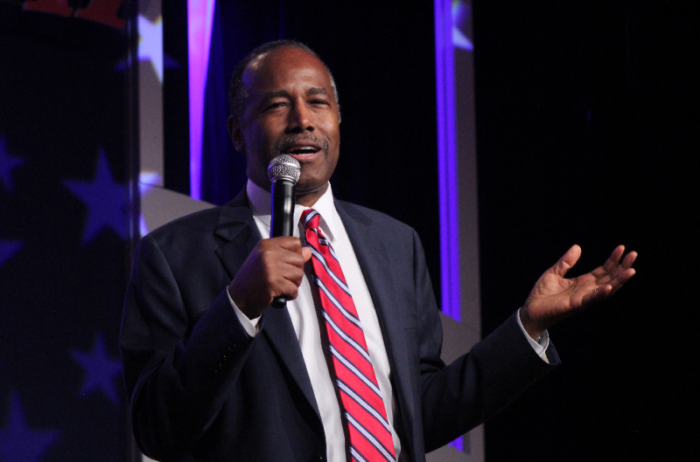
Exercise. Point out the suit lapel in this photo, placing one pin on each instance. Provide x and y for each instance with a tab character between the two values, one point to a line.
237	228
240	234
280	333
375	261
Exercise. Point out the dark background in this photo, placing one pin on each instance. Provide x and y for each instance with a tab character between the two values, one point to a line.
587	121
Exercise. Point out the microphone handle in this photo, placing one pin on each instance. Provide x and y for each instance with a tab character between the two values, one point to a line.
282	220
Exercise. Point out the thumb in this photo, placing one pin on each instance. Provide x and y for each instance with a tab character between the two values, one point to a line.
306	253
567	261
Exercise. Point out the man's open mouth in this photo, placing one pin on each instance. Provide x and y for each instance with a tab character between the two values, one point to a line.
301	146
303	150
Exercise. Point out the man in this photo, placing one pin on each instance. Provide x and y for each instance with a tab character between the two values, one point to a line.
215	374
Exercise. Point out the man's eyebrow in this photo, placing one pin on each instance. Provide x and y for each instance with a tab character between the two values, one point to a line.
316	91
275	94
284	94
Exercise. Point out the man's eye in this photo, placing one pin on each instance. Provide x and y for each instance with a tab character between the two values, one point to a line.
320	101
275	105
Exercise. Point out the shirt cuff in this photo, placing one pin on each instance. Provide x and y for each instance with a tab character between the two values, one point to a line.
250	325
540	345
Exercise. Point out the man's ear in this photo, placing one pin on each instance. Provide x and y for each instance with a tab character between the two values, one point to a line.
236	134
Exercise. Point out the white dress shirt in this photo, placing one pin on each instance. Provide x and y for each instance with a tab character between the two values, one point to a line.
305	318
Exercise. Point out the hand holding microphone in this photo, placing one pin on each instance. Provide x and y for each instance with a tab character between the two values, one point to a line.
276	265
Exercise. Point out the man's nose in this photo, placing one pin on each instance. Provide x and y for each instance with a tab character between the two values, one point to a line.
300	118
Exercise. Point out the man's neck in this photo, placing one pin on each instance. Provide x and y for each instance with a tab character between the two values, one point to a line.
308	199
304	198
260	197
259	200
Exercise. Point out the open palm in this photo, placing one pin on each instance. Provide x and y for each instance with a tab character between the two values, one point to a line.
554	297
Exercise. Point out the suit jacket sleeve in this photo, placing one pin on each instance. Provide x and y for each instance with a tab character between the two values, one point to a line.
436	403
462	395
177	362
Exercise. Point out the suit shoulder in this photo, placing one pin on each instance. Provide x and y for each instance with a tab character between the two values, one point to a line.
204	221
380	219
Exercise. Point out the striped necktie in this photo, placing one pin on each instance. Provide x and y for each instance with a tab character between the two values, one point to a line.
361	399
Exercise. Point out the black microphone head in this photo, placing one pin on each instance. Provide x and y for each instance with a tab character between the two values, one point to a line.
284	167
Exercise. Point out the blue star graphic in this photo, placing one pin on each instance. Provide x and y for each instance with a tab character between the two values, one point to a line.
99	368
7	164
106	200
18	442
8	249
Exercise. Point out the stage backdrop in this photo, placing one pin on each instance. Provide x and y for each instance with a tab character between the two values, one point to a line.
63	229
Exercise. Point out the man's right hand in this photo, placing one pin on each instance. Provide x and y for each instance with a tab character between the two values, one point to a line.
275	267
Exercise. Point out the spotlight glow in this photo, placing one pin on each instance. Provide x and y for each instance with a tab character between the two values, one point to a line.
200	14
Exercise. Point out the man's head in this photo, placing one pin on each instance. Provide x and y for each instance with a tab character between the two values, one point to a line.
284	101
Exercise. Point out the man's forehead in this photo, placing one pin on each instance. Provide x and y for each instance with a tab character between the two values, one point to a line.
276	63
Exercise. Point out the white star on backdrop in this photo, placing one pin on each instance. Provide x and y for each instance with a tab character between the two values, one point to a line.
151	43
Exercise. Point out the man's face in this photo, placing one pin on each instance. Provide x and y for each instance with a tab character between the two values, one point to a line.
291	110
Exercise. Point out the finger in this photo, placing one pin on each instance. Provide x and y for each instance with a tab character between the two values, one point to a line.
622	279
306	253
295	276
293	258
612	261
287	288
567	261
288	242
629	260
289	273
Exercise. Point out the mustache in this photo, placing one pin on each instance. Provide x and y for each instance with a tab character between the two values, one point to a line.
285	144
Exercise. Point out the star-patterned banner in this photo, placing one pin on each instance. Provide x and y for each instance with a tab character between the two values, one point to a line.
8	163
19	442
63	232
100	370
104	199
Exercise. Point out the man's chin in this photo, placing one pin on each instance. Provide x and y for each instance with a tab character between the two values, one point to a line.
309	192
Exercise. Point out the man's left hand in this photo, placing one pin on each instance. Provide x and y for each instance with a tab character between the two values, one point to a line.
554	297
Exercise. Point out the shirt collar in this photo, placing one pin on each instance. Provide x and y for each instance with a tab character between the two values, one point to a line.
259	200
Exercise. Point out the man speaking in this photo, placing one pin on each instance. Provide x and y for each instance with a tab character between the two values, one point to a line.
350	369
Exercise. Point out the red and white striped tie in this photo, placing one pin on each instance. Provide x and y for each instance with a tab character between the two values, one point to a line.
361	399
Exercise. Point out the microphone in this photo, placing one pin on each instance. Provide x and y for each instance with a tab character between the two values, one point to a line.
283	171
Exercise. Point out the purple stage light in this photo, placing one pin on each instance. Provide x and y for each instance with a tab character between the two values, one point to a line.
447	161
200	14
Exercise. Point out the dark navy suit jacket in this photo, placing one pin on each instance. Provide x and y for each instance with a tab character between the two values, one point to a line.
201	389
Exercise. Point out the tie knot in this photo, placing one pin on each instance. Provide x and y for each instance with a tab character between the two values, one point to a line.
310	218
